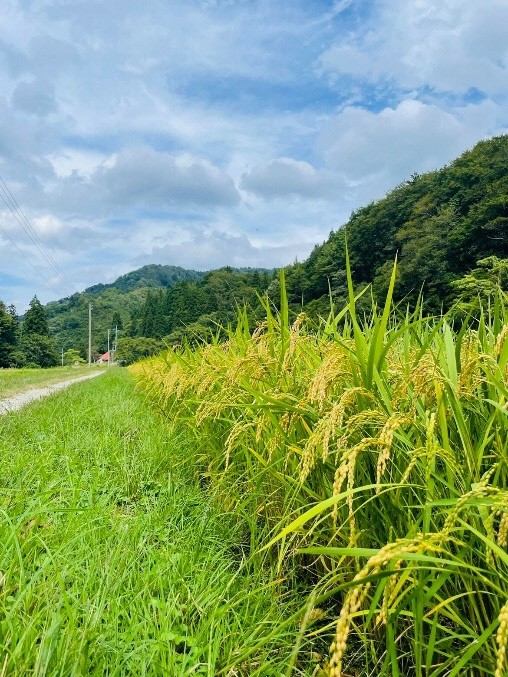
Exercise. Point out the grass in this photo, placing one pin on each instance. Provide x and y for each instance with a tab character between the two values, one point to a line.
114	561
14	381
374	451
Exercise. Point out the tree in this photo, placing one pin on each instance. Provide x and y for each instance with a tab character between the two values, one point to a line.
40	351
133	349
72	356
483	283
116	322
36	342
8	336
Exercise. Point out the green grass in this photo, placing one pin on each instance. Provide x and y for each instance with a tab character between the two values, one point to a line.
113	560
14	381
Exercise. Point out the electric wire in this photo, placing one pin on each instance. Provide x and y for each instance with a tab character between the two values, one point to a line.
25	224
37	270
13	206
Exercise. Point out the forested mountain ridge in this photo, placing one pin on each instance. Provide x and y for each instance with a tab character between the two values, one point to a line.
113	305
153	302
151	275
438	224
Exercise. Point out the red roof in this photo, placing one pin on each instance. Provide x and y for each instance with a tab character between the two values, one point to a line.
105	357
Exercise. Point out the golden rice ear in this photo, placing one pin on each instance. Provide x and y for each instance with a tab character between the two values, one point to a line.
502	642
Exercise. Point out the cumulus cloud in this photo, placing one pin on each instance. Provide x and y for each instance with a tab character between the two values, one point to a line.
388	146
148	177
140	178
288	177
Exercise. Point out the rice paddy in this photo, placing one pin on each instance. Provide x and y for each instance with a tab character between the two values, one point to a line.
369	458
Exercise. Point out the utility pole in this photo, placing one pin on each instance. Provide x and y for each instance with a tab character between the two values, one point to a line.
116	340
109	354
89	335
62	356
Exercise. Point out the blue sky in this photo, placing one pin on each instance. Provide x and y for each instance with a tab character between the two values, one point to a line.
204	133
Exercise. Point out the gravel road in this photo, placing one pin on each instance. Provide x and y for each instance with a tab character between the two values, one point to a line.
17	401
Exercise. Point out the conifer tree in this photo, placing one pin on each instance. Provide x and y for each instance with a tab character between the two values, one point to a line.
36	342
8	336
35	321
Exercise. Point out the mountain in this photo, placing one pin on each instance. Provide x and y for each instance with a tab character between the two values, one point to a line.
113	305
154	302
152	275
448	229
439	225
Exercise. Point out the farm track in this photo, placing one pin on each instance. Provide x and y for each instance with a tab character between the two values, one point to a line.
19	400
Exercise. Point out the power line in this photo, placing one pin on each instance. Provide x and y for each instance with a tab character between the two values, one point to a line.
37	270
22	220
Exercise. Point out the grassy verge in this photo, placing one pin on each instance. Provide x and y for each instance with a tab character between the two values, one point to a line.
113	561
14	381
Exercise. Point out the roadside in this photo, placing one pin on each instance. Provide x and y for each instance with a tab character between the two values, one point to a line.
18	401
114	561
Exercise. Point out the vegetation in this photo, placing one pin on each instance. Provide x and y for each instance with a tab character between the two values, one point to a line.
439	224
113	561
155	303
375	452
30	346
13	381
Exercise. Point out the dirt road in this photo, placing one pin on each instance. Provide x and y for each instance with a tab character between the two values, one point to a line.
15	402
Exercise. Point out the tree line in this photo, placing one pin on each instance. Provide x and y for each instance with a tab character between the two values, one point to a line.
441	226
26	344
192	311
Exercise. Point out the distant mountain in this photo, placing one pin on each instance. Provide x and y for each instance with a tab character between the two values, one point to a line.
114	305
132	303
152	275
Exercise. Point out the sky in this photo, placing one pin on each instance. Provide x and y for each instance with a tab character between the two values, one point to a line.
204	133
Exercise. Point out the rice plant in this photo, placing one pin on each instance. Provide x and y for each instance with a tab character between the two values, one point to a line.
373	453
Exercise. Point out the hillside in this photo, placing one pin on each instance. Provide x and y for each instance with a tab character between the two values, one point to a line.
154	301
152	275
114	305
439	224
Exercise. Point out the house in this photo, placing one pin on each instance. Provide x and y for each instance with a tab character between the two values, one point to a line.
103	358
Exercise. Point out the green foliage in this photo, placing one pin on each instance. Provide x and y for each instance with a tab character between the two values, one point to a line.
36	343
440	224
35	320
140	307
482	284
72	356
8	337
39	350
131	350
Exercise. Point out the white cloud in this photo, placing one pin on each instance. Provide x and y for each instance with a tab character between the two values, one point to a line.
381	149
288	177
450	45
